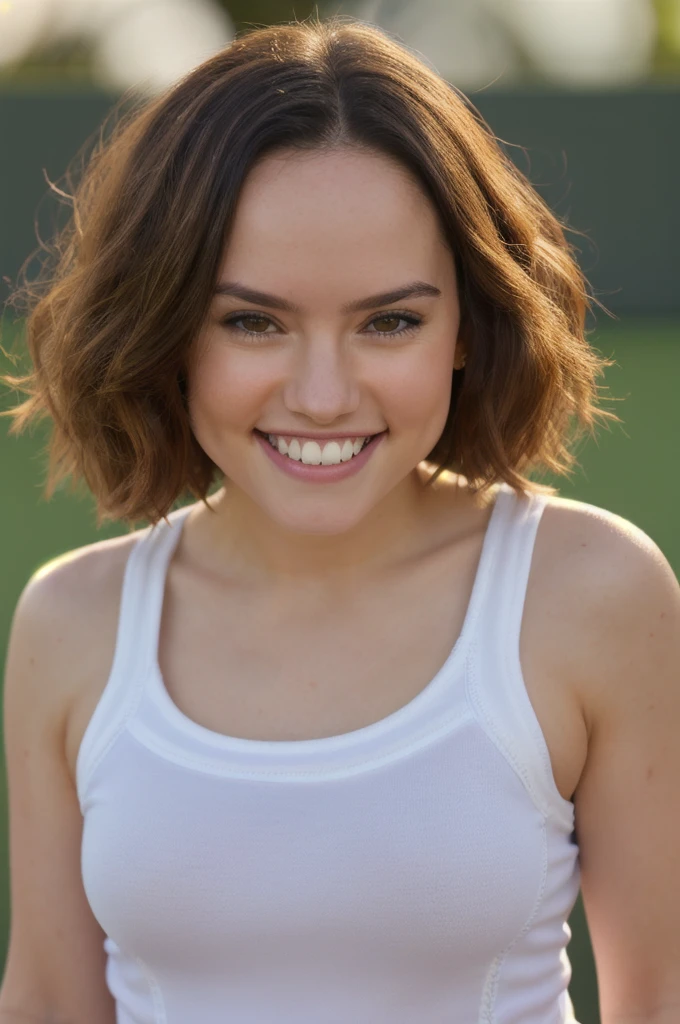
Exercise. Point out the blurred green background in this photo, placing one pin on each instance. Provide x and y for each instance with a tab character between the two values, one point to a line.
603	155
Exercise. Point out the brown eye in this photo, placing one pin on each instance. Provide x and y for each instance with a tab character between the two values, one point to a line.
414	323
387	320
231	322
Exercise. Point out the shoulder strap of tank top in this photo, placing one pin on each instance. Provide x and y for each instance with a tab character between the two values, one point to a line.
517	531
496	683
139	608
148	581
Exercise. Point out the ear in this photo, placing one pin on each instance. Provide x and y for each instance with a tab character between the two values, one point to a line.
461	345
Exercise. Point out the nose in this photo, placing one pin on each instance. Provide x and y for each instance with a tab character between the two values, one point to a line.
323	385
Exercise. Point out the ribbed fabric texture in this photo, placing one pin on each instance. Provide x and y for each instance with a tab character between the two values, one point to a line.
420	870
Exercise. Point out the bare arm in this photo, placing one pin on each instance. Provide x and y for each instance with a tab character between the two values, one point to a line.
628	798
669	1014
55	967
19	1017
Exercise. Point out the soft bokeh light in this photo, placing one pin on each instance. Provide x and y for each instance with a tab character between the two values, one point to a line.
464	40
22	26
149	44
475	42
88	18
586	42
156	44
143	44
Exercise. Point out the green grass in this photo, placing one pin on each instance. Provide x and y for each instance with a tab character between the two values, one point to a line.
630	468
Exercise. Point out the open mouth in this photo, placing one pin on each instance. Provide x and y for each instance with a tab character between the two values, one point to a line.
369	440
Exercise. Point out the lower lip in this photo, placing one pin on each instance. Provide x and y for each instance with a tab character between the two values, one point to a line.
320	474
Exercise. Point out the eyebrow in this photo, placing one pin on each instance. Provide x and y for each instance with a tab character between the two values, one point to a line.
258	298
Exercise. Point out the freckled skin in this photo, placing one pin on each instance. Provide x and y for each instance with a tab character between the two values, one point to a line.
322	230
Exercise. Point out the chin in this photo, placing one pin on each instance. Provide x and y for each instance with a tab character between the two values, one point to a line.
321	518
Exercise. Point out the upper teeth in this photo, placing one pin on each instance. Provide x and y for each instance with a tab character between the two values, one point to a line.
311	452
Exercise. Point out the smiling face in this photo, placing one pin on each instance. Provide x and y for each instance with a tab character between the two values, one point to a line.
323	231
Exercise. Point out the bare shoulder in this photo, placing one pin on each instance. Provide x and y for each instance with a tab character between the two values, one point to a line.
67	613
604	583
72	589
614	536
602	557
619	603
61	639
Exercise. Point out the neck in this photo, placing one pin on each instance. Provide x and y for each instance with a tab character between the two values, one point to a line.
242	536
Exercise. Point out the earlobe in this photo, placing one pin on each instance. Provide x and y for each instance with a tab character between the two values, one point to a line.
460	354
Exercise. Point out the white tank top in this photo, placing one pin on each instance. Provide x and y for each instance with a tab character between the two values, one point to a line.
419	870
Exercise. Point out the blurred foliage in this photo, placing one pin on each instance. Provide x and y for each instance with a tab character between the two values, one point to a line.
667	58
245	13
70	62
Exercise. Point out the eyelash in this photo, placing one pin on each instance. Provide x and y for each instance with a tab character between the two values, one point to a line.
414	321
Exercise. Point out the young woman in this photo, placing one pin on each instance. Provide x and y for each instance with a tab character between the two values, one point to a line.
339	740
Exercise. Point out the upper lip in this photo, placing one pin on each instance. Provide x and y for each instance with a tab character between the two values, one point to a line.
319	437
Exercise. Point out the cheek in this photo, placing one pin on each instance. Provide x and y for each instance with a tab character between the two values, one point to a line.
229	388
224	389
419	394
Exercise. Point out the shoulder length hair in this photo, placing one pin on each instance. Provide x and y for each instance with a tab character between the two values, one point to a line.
109	332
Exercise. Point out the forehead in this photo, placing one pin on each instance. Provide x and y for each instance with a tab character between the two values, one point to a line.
328	213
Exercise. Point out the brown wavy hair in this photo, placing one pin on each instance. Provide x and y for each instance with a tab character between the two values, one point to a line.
109	332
